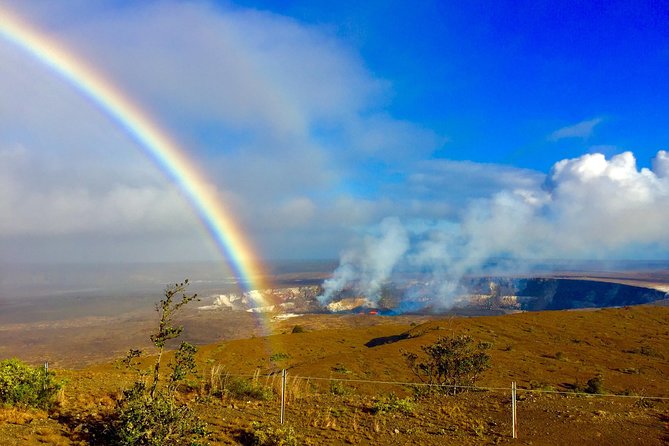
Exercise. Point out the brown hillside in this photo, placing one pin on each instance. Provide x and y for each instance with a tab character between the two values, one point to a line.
549	351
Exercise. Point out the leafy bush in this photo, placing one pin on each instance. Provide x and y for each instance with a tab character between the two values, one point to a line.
23	385
265	435
338	388
595	385
449	362
392	403
143	420
243	388
279	356
149	413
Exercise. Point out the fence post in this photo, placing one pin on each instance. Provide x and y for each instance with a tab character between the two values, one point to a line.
514	418
283	394
46	373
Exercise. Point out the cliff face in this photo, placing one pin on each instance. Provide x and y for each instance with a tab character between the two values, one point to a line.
485	295
560	294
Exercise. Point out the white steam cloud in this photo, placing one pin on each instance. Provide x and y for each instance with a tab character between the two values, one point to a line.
588	208
370	265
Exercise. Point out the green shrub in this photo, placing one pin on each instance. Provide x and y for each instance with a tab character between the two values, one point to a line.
595	385
280	356
298	329
392	403
264	435
23	385
242	388
338	388
143	420
449	362
149	413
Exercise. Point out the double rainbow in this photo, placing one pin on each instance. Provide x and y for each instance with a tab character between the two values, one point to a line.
154	141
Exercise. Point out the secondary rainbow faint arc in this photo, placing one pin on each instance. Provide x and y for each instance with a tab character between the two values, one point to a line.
230	240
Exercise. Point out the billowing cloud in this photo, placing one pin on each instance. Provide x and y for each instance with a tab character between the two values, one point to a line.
581	130
294	132
588	207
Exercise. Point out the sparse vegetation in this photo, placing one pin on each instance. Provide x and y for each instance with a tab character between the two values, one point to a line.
26	386
260	434
143	419
448	363
646	350
485	345
243	388
151	414
392	403
368	412
340	368
279	356
595	385
540	385
338	388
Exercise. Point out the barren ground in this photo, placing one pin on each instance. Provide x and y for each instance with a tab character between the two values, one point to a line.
547	351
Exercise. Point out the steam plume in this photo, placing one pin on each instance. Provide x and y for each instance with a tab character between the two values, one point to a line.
370	266
588	208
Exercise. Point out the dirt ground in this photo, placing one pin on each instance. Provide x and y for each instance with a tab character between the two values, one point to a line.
464	419
544	352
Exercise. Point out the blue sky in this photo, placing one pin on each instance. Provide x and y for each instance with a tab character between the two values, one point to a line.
318	121
497	77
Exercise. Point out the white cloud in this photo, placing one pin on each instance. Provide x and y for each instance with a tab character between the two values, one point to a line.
581	130
589	208
281	116
62	208
278	113
661	164
467	179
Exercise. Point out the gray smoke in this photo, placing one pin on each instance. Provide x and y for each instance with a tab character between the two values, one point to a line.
588	208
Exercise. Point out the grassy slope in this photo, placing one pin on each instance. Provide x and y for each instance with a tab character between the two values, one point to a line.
546	347
629	347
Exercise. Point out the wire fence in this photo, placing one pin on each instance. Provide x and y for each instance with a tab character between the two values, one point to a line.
446	386
295	392
292	388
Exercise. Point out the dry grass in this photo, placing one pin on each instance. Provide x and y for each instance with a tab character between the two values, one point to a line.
13	415
629	348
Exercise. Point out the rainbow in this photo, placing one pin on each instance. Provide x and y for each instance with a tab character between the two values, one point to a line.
154	141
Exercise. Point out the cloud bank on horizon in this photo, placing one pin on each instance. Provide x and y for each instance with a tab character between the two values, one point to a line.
301	134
